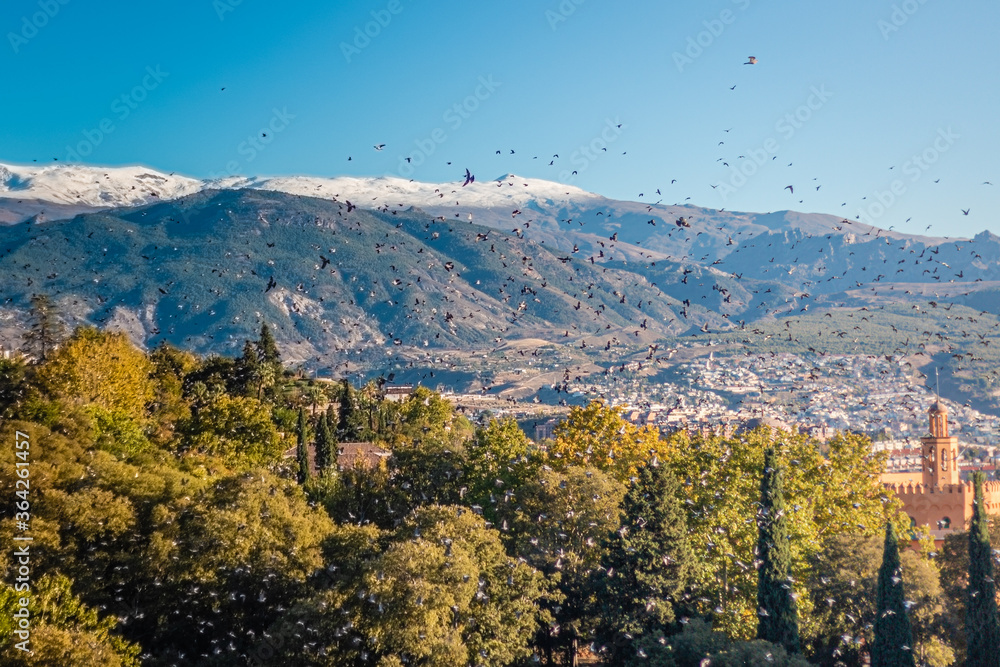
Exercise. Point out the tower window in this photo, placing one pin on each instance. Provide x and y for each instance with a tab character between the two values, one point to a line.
944	460
945	523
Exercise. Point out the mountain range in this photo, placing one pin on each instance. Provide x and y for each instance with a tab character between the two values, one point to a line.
357	272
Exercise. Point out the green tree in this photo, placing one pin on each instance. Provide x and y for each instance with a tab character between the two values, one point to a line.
64	631
267	348
842	583
46	330
169	406
234	561
326	446
499	459
424	415
348	417
428	472
982	632
246	374
213	376
558	523
778	622
954	563
302	448
443	593
838	494
648	561
893	645
13	388
698	645
238	429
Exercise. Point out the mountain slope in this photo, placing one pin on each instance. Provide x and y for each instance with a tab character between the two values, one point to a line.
205	270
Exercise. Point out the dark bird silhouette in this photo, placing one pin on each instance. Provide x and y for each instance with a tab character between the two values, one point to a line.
469	178
751	60
271	284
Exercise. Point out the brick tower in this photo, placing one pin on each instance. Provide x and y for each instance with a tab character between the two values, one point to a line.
940	452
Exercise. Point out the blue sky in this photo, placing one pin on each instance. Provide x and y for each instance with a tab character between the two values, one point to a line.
888	107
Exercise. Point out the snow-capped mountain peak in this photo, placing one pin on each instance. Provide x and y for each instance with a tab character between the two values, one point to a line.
108	187
96	187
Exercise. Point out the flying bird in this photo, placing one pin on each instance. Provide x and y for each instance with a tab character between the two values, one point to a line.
751	60
790	189
379	147
469	178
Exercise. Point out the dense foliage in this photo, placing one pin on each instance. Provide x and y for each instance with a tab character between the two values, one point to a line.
198	511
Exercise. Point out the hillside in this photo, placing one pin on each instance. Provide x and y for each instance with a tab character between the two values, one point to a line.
361	284
205	270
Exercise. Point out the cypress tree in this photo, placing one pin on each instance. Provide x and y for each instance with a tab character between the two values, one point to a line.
893	645
302	449
325	443
267	349
982	632
651	557
247	372
778	622
347	417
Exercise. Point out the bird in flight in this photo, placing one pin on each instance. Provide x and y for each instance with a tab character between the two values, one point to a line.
751	60
790	189
379	147
965	211
469	178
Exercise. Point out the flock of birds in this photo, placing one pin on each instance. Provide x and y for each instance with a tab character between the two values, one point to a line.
440	294
686	229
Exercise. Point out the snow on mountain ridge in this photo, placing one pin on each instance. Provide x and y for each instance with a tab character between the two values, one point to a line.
93	186
372	192
129	186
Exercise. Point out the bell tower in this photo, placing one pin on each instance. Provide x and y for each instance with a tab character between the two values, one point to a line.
940	452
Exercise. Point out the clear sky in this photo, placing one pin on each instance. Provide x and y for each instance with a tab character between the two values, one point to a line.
865	99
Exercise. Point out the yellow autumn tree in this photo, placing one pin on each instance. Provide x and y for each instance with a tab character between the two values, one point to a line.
598	435
100	368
